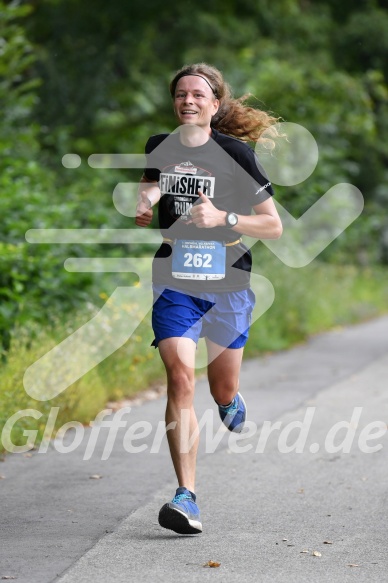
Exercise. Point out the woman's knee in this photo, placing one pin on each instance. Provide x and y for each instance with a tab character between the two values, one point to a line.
180	383
223	390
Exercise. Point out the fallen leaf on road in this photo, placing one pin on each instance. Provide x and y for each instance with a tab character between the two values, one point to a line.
327	542
316	554
8	577
2	477
212	564
300	491
285	539
95	477
352	565
304	551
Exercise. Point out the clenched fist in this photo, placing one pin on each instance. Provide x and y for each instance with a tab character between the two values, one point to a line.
144	211
205	215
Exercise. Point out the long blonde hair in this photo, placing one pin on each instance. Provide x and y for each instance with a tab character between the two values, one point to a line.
234	117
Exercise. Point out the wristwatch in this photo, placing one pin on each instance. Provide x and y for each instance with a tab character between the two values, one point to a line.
231	219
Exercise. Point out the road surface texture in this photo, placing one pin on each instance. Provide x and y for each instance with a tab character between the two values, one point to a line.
304	502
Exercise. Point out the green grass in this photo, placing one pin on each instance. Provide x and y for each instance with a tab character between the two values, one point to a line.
307	301
316	298
130	369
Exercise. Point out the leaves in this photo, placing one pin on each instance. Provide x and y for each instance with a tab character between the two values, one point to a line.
212	564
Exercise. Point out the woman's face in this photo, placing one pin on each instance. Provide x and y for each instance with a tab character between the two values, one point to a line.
194	102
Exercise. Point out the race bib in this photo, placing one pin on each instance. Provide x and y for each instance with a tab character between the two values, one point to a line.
198	260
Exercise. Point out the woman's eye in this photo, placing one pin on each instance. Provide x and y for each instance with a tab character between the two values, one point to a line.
183	95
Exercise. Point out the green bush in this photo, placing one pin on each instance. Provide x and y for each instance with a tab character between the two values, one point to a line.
34	286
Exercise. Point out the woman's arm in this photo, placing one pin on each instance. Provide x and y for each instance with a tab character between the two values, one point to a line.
264	224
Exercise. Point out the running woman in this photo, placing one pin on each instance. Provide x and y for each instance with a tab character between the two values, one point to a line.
206	180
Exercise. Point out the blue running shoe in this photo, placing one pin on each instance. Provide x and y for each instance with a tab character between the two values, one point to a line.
181	514
233	416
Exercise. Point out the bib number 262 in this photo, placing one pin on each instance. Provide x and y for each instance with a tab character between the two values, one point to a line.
198	260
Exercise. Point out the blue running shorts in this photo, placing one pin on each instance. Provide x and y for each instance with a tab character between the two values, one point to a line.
222	317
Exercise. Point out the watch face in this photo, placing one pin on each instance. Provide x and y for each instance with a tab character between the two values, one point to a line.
232	219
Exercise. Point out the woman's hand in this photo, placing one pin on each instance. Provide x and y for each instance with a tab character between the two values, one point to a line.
205	215
144	211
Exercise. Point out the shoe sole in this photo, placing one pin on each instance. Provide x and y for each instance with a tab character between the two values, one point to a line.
241	425
177	521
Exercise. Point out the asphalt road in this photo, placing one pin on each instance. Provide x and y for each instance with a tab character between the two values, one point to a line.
303	502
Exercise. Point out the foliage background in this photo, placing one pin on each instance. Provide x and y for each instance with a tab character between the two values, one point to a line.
87	77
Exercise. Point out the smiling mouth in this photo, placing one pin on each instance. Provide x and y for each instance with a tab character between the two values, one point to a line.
188	112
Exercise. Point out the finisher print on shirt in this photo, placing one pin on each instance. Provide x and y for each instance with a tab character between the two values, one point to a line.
182	182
